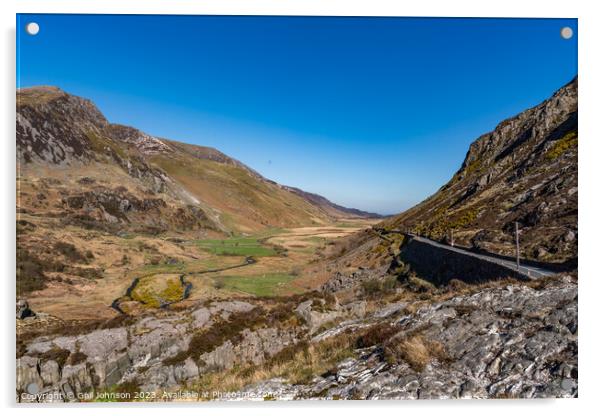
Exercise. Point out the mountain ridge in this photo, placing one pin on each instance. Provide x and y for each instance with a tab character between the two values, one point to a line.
62	129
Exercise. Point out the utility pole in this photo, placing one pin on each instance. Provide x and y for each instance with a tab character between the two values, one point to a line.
517	246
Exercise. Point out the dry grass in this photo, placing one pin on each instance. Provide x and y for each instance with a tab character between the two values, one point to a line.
415	350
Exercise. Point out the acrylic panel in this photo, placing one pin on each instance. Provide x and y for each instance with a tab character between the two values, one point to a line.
290	208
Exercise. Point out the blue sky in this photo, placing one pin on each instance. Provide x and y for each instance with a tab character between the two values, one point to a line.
373	113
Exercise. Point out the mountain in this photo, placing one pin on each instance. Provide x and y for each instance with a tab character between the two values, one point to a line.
61	134
525	172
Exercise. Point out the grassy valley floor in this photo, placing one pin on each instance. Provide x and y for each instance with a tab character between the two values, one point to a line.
272	262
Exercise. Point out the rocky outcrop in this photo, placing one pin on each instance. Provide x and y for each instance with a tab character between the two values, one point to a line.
523	344
343	281
146	144
100	207
66	367
52	126
315	313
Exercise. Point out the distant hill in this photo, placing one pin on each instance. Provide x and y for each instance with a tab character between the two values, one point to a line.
333	209
56	129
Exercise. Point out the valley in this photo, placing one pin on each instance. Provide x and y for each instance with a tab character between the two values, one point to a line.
269	263
149	265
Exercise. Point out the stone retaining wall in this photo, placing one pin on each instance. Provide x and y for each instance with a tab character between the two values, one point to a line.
439	265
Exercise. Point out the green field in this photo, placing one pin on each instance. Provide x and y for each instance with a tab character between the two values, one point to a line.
237	246
269	284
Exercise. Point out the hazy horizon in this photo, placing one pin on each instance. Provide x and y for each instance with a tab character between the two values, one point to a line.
371	113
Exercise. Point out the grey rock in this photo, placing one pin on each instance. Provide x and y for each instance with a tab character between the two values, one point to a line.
50	372
226	308
23	310
522	343
102	344
314	319
201	317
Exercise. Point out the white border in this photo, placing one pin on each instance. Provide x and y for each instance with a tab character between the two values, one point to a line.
590	160
508	8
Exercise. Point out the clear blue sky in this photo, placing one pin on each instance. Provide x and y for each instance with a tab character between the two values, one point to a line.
373	113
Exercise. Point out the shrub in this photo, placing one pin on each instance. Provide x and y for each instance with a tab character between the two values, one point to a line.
30	273
85	272
154	294
288	353
24	226
70	252
420	285
179	358
376	335
568	141
373	287
389	284
76	358
59	355
473	167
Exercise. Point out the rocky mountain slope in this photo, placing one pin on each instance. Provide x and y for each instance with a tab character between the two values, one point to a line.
56	129
524	171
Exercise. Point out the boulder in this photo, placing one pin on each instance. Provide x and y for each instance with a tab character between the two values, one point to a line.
23	310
